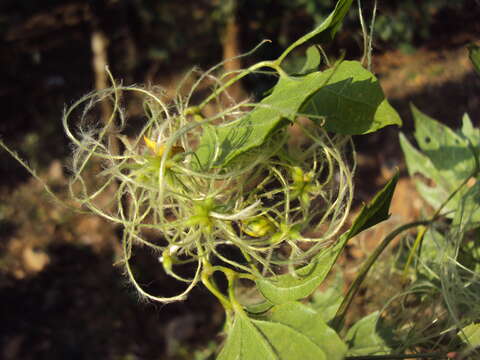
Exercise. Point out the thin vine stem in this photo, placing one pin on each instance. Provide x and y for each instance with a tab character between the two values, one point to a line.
338	320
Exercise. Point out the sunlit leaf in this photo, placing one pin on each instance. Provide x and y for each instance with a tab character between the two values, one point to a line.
447	158
470	334
311	323
290	332
347	96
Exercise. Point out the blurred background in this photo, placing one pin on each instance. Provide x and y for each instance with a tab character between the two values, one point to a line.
61	297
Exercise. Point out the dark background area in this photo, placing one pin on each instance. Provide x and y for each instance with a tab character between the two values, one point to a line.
61	297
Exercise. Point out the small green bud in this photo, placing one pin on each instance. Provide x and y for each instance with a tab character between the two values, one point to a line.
257	227
302	186
167	261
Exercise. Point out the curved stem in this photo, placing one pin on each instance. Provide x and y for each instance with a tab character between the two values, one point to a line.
271	64
422	230
207	272
338	320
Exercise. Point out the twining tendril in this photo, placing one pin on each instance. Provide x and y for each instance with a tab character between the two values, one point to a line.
268	211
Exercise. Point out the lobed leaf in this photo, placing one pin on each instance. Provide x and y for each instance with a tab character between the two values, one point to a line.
447	158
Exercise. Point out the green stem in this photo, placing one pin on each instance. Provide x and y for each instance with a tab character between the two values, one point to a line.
418	241
232	277
421	233
338	320
271	64
207	272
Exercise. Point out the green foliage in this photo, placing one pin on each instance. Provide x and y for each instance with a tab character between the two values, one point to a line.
346	96
447	249
327	301
449	158
303	282
470	334
327	29
365	337
289	331
312	61
400	23
229	193
474	54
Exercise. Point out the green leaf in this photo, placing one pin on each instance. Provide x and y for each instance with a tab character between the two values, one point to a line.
347	87
376	211
421	164
470	133
474	54
313	60
366	338
327	301
259	308
308	336
433	247
352	101
310	322
448	151
470	334
326	31
246	342
289	287
447	158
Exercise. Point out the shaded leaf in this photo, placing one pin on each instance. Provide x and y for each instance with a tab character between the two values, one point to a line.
366	338
289	287
327	301
376	211
259	308
246	342
474	54
434	246
352	101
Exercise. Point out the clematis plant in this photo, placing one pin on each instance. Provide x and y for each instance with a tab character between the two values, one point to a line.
231	192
